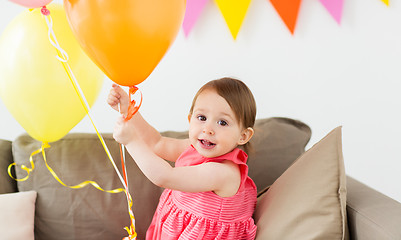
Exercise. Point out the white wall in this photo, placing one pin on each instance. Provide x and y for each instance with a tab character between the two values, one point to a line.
325	75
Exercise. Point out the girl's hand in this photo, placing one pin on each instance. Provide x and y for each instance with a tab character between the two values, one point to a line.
124	131
117	96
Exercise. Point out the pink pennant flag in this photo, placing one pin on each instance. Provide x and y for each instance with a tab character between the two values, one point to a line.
192	13
335	8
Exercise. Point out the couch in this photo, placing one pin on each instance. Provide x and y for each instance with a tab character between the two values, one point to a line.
302	195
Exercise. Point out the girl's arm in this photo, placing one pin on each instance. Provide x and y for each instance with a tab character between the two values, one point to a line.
166	148
222	178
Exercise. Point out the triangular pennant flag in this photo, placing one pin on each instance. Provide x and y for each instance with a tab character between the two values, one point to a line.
234	13
288	11
335	8
192	13
387	2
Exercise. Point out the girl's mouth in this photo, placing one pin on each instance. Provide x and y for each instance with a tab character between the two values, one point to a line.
206	144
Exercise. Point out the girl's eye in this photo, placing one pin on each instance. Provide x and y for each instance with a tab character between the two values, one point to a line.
201	118
222	123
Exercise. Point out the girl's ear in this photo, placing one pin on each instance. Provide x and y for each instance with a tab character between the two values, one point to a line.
189	117
246	135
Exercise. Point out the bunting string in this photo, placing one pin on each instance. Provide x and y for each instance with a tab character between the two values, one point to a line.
234	12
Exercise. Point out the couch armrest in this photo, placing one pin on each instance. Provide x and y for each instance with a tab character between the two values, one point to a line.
371	215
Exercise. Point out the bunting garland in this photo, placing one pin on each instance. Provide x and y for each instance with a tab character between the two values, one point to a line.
288	11
335	8
192	13
234	13
387	2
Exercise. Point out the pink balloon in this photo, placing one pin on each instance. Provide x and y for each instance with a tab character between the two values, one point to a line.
32	3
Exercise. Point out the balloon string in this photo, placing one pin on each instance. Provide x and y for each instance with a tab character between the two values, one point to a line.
122	154
23	167
82	184
133	108
42	150
84	102
54	42
130	230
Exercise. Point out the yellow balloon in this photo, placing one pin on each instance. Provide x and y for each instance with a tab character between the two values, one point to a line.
34	85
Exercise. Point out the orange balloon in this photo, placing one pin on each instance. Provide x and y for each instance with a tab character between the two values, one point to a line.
125	38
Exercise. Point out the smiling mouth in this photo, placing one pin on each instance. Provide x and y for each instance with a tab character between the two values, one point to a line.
206	144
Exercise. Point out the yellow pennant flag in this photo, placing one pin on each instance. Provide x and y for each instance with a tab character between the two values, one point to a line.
387	2
234	12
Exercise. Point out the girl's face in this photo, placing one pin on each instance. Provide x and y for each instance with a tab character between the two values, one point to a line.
213	127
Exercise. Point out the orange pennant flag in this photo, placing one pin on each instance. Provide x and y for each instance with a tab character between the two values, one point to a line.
288	11
387	2
234	13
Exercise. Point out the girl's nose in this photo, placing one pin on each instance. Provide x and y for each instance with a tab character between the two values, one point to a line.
208	130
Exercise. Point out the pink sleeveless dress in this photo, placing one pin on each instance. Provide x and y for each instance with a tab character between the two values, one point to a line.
206	215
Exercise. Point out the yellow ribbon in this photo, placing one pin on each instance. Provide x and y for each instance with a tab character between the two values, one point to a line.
80	185
131	230
63	57
42	150
23	167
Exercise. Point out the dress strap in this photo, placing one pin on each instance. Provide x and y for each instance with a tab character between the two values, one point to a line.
239	157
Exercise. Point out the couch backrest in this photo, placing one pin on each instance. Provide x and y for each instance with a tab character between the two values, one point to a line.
7	184
87	213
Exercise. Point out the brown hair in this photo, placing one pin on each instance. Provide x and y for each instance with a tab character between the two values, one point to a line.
238	96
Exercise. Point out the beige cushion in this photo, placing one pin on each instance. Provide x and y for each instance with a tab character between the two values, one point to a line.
309	200
16	215
277	143
7	184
